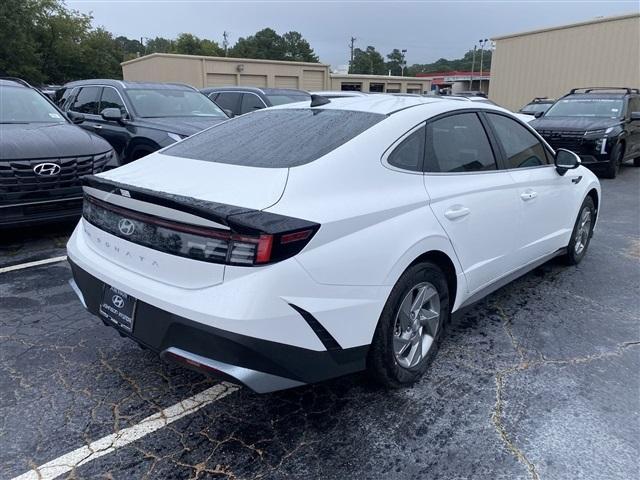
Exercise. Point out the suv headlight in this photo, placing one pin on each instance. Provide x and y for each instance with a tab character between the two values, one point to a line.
600	131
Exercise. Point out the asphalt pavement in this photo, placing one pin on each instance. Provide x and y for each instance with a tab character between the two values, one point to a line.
538	381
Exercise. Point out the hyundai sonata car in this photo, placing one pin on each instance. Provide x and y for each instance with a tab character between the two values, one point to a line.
307	241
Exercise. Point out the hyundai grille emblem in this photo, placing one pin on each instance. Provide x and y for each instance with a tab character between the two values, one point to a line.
126	226
118	301
46	169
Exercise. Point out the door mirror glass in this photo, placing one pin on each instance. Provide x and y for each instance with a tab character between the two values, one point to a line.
112	114
538	114
635	116
566	160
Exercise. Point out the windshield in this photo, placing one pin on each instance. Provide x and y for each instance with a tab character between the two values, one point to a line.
153	103
586	107
282	98
23	105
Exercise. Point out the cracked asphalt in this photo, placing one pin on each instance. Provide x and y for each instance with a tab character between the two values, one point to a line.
541	380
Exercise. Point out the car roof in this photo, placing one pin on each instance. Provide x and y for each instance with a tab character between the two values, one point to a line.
386	104
340	93
13	82
255	90
126	84
601	95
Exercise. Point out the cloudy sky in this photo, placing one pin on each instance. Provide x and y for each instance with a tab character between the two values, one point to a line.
427	29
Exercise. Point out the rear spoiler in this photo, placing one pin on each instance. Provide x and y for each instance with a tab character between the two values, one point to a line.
239	219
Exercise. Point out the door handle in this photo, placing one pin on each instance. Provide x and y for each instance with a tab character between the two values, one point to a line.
457	212
97	127
528	195
576	179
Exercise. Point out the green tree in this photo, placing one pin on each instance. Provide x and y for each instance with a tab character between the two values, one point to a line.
461	64
19	54
159	45
368	61
101	55
395	63
266	44
297	49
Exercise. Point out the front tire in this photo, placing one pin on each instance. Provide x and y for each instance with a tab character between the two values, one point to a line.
410	326
582	230
615	161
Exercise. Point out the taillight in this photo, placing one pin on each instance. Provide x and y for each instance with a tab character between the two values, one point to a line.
196	242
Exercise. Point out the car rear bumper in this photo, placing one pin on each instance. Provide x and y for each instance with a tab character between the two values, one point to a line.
261	365
21	214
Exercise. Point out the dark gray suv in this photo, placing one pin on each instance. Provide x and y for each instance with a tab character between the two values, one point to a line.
241	100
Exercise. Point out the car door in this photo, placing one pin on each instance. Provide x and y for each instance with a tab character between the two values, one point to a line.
116	133
229	101
473	200
544	196
633	127
250	103
87	102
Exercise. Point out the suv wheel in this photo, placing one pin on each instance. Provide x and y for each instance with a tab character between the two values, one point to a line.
582	231
410	327
615	161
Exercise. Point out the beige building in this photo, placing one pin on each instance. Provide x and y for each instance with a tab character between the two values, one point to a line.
549	62
202	72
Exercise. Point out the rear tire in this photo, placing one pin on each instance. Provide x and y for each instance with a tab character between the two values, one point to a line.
582	232
410	326
615	161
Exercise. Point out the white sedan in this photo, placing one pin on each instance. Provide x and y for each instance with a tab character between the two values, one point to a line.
303	242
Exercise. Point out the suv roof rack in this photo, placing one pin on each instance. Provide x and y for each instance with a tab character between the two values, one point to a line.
591	89
17	80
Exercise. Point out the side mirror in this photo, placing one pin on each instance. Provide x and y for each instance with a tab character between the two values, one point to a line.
635	116
566	160
111	114
228	112
75	118
538	114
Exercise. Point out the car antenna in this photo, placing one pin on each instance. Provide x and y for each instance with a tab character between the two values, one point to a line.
318	100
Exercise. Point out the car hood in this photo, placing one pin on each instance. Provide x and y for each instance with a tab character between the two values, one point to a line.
573	123
180	125
49	140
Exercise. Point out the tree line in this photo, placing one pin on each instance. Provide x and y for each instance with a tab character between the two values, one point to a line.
43	41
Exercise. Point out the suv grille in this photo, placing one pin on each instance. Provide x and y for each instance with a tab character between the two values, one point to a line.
571	140
17	176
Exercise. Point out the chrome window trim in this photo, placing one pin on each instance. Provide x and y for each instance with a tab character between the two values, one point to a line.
385	156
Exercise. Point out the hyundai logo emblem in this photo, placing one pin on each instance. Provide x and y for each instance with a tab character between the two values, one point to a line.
126	226
118	301
47	169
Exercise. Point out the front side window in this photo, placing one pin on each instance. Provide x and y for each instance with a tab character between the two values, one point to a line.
457	144
586	107
409	155
111	99
87	101
521	147
229	101
250	103
24	105
169	102
275	138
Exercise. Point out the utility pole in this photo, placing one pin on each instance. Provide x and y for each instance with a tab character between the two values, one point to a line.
473	66
225	42
351	45
482	44
404	62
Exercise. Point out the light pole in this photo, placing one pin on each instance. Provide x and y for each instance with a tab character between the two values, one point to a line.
473	66
482	44
404	62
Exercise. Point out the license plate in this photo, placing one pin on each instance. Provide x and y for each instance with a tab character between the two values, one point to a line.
118	307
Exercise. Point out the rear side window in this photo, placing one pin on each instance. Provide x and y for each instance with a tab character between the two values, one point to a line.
228	101
458	143
87	101
521	147
276	138
409	155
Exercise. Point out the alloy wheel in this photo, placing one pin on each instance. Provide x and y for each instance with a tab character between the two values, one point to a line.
416	324
584	228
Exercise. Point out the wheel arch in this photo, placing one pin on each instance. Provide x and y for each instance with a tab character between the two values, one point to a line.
137	146
442	260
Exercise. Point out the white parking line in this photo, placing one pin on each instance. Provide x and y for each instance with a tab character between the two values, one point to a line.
33	264
110	443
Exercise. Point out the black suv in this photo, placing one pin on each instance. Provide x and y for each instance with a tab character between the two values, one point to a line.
240	100
601	124
537	106
138	118
42	158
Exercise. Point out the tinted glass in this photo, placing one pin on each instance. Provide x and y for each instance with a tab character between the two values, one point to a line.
250	103
521	147
409	155
536	107
282	98
634	105
229	101
586	107
87	100
161	103
275	138
458	143
111	99
23	105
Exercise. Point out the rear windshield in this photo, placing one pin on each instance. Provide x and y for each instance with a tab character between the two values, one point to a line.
276	138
